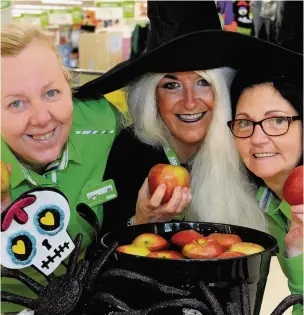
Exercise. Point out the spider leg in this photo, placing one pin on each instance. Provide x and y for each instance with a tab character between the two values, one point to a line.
287	302
211	299
20	300
98	264
74	255
18	275
82	270
145	280
233	309
185	303
245	302
111	300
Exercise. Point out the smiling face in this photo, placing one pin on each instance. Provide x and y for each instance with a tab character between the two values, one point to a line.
36	104
268	157
186	103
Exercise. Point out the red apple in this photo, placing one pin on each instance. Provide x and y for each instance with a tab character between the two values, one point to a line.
170	175
151	241
293	187
166	254
133	250
230	255
246	248
210	249
184	237
225	239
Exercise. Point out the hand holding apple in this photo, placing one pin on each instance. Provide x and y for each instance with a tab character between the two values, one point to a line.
293	187
170	175
5	184
149	208
294	238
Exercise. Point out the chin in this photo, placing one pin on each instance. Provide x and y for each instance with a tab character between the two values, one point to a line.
43	158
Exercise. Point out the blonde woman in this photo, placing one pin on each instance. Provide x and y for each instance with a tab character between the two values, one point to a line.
44	137
184	112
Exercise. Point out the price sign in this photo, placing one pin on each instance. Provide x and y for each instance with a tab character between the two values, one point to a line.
109	10
62	17
33	19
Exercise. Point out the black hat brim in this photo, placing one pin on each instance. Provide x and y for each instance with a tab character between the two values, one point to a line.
200	50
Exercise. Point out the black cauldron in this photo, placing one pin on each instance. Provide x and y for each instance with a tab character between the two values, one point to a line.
222	276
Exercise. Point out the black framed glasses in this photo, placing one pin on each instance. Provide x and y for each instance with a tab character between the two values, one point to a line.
273	126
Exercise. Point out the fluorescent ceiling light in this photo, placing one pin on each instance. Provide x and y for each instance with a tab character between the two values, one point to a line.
79	2
37	7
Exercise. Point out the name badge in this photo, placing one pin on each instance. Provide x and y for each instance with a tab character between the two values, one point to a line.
99	194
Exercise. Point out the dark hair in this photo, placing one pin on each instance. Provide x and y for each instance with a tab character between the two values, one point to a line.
290	87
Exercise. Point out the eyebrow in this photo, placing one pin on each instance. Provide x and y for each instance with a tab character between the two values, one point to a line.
269	112
170	76
48	84
20	95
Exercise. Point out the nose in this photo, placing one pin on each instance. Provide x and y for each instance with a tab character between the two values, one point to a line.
259	137
190	98
40	115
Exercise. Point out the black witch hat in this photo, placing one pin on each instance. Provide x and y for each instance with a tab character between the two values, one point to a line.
187	36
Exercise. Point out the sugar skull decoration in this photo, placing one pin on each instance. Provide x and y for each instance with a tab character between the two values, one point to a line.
33	231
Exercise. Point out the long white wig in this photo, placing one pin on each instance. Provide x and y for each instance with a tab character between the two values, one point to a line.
221	190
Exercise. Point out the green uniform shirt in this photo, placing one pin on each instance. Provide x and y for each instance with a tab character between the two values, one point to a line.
82	164
279	224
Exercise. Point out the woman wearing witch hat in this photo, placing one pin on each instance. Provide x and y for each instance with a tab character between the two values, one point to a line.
180	110
179	101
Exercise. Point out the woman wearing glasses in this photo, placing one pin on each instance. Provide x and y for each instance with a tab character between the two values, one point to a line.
268	132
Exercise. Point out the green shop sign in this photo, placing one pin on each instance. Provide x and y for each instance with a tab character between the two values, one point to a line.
108	4
128	8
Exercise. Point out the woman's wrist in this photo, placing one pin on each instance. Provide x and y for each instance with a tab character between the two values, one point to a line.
293	252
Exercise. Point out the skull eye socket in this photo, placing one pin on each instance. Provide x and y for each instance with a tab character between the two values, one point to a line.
49	219
21	247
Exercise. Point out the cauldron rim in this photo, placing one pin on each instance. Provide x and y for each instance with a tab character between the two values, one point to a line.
272	248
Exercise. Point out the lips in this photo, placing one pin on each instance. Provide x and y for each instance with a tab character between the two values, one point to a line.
190	118
43	137
264	155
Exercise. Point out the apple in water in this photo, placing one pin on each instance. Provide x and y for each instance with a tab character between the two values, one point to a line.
170	175
246	248
225	239
166	254
5	178
230	255
209	249
133	250
293	187
184	237
151	241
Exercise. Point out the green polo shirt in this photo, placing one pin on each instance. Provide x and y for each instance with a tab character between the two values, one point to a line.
81	165
279	216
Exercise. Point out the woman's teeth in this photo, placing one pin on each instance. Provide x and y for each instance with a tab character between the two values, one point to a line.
44	137
190	117
261	155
